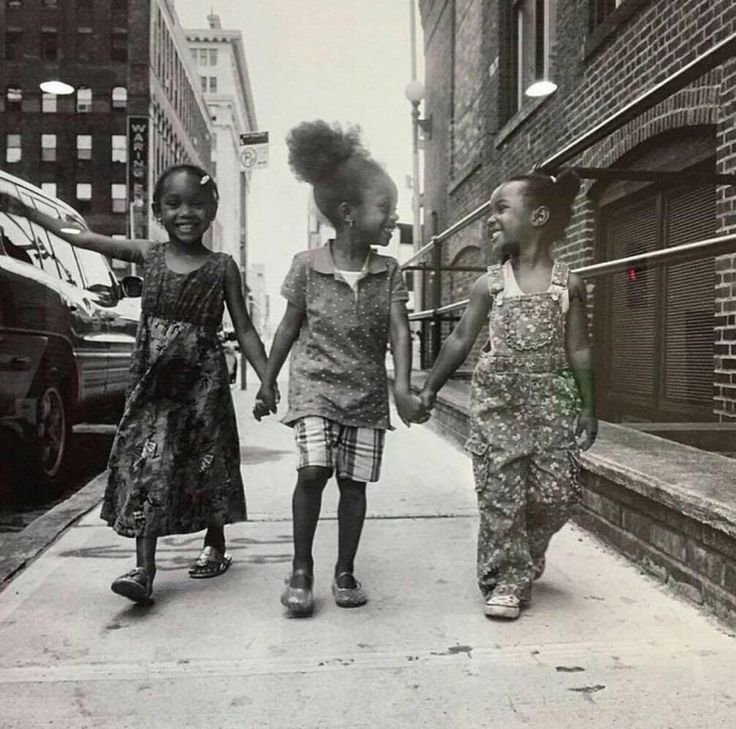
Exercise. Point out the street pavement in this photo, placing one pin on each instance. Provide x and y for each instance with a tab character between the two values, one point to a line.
601	646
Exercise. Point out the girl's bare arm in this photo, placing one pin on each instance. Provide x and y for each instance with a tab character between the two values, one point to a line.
250	342
458	345
408	405
580	358
283	340
126	250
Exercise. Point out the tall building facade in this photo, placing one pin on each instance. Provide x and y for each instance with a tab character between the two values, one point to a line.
137	105
665	336
222	73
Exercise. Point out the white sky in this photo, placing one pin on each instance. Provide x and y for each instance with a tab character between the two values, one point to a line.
338	60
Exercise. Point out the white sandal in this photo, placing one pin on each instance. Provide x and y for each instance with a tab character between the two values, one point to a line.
504	602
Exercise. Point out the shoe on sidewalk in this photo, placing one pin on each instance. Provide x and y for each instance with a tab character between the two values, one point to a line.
135	585
299	601
506	601
348	597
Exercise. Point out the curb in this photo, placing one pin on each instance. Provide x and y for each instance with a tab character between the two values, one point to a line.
21	548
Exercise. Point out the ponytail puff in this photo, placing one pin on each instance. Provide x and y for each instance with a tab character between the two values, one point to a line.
334	161
317	150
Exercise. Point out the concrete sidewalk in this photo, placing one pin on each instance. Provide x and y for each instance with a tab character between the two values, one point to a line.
602	645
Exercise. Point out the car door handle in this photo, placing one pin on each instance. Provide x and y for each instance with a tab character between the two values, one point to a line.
20	364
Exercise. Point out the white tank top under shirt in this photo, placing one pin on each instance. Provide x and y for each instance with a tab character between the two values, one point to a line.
511	287
352	277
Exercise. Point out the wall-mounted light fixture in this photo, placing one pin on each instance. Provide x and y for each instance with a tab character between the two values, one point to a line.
541	87
56	87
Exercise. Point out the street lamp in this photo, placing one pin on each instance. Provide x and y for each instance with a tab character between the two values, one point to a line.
414	92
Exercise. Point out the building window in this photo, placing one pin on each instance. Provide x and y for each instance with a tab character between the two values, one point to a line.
84	4
84	146
204	83
13	98
120	6
119	194
12	148
50	3
13	45
213	84
84	196
84	99
119	148
48	148
213	56
85	44
49	188
601	9
48	103
203	56
119	97
119	45
49	44
534	39
14	4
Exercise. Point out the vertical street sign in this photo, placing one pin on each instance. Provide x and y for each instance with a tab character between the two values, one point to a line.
138	129
254	150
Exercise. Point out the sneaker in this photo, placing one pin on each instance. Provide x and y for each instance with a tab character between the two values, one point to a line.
504	602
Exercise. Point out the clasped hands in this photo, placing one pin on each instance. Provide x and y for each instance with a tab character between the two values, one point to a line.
267	400
413	408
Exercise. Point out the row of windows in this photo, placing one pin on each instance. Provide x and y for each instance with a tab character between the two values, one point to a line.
205	56
49	102
14	148
83	193
87	47
120	6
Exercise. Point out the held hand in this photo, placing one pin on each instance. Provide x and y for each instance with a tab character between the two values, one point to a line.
410	408
267	399
587	424
428	399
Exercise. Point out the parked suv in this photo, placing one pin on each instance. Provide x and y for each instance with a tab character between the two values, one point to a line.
67	332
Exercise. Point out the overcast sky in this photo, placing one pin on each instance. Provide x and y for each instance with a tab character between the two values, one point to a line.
339	60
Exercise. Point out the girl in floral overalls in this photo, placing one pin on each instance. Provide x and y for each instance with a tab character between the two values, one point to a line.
526	388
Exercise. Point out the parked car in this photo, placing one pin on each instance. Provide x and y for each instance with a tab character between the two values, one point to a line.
67	332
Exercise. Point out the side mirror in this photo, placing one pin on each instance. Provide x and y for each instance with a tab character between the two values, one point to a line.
132	286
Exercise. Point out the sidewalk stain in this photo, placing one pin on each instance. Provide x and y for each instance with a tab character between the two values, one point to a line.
454	650
588	689
569	669
252	455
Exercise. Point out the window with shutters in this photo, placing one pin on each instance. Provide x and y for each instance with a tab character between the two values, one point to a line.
655	327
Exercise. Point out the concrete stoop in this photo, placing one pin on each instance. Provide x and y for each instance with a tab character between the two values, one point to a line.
669	507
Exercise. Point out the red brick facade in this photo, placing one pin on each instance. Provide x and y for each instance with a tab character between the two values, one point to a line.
478	139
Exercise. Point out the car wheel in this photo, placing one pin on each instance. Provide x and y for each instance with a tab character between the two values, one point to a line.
53	432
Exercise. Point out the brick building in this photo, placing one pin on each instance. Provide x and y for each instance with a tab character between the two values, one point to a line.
664	337
137	105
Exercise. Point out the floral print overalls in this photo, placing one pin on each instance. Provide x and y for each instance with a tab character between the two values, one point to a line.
524	401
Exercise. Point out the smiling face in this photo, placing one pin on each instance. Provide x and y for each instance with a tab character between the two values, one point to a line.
513	219
375	218
186	207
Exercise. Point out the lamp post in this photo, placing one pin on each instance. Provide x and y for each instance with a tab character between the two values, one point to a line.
56	87
414	92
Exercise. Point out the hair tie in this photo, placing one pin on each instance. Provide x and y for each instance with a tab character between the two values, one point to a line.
554	179
204	180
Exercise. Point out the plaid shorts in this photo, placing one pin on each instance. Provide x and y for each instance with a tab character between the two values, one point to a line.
354	453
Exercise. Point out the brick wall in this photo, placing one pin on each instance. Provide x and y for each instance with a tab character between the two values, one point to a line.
658	38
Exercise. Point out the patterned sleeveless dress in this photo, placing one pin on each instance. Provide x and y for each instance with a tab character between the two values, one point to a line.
175	461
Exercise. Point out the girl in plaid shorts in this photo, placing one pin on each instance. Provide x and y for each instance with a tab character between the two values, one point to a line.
344	303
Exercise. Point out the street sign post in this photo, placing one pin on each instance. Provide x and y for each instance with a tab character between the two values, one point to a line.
254	150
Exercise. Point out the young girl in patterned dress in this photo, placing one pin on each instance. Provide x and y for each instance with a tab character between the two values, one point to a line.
344	303
175	461
524	399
